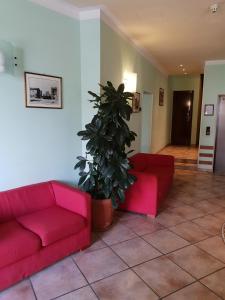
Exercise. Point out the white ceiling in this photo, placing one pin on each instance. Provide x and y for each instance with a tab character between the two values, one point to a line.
174	32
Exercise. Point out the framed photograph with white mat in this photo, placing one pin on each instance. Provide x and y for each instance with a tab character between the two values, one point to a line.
43	91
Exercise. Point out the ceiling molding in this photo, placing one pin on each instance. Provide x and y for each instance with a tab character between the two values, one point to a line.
215	62
90	13
97	12
115	25
60	6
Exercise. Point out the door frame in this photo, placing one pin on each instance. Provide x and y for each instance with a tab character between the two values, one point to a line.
219	100
151	99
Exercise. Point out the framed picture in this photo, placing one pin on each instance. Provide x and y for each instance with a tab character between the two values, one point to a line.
209	110
43	91
136	102
161	97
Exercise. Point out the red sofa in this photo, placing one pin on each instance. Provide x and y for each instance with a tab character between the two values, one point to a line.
40	224
154	175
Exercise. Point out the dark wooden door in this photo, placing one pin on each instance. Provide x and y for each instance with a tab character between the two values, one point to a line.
182	117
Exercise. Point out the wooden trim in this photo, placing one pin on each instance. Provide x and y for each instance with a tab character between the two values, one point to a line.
207	147
205	155
204	162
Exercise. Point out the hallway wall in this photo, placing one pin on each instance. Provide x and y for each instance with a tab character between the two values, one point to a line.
118	56
214	85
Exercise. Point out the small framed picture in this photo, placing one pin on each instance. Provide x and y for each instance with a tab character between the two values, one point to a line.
43	91
209	110
161	97
136	102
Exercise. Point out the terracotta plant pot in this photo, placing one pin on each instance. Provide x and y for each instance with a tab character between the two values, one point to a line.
102	214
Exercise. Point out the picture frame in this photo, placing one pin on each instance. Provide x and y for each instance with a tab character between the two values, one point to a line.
209	110
136	102
43	91
161	97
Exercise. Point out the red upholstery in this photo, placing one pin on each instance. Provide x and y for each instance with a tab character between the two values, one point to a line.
43	258
17	202
53	224
50	214
154	175
16	243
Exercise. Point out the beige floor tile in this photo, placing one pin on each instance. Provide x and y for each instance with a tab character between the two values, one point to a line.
96	244
57	280
116	234
195	261
123	215
214	246
135	251
163	276
207	207
99	264
220	215
195	291
165	240
187	212
190	232
123	286
143	226
84	293
168	218
20	291
215	282
210	224
218	201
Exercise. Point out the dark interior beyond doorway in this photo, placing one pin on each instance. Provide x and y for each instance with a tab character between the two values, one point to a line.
182	117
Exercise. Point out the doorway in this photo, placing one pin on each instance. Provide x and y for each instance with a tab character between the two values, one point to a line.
219	164
146	122
182	118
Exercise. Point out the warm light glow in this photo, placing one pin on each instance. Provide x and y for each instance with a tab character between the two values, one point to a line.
130	82
181	66
189	103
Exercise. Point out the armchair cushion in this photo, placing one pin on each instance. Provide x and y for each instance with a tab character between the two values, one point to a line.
16	243
53	224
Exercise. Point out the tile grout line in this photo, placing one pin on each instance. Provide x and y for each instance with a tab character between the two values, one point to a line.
32	287
85	277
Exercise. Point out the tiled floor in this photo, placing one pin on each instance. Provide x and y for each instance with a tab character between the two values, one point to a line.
181	151
179	255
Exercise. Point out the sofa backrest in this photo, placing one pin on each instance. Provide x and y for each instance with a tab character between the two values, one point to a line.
138	162
27	199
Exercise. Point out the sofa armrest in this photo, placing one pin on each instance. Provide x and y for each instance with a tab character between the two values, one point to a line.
142	196
72	199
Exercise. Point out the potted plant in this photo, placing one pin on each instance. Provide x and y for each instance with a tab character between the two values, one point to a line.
105	174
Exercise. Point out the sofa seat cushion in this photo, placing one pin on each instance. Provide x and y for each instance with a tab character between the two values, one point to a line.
16	243
53	224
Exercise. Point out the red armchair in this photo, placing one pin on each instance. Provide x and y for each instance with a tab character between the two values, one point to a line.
154	175
40	224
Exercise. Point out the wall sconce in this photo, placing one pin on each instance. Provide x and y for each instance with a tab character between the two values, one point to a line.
8	58
2	62
130	82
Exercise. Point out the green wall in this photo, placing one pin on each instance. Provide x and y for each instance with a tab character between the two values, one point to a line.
119	56
187	82
39	144
214	85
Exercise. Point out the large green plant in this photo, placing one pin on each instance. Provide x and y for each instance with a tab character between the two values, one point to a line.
107	137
